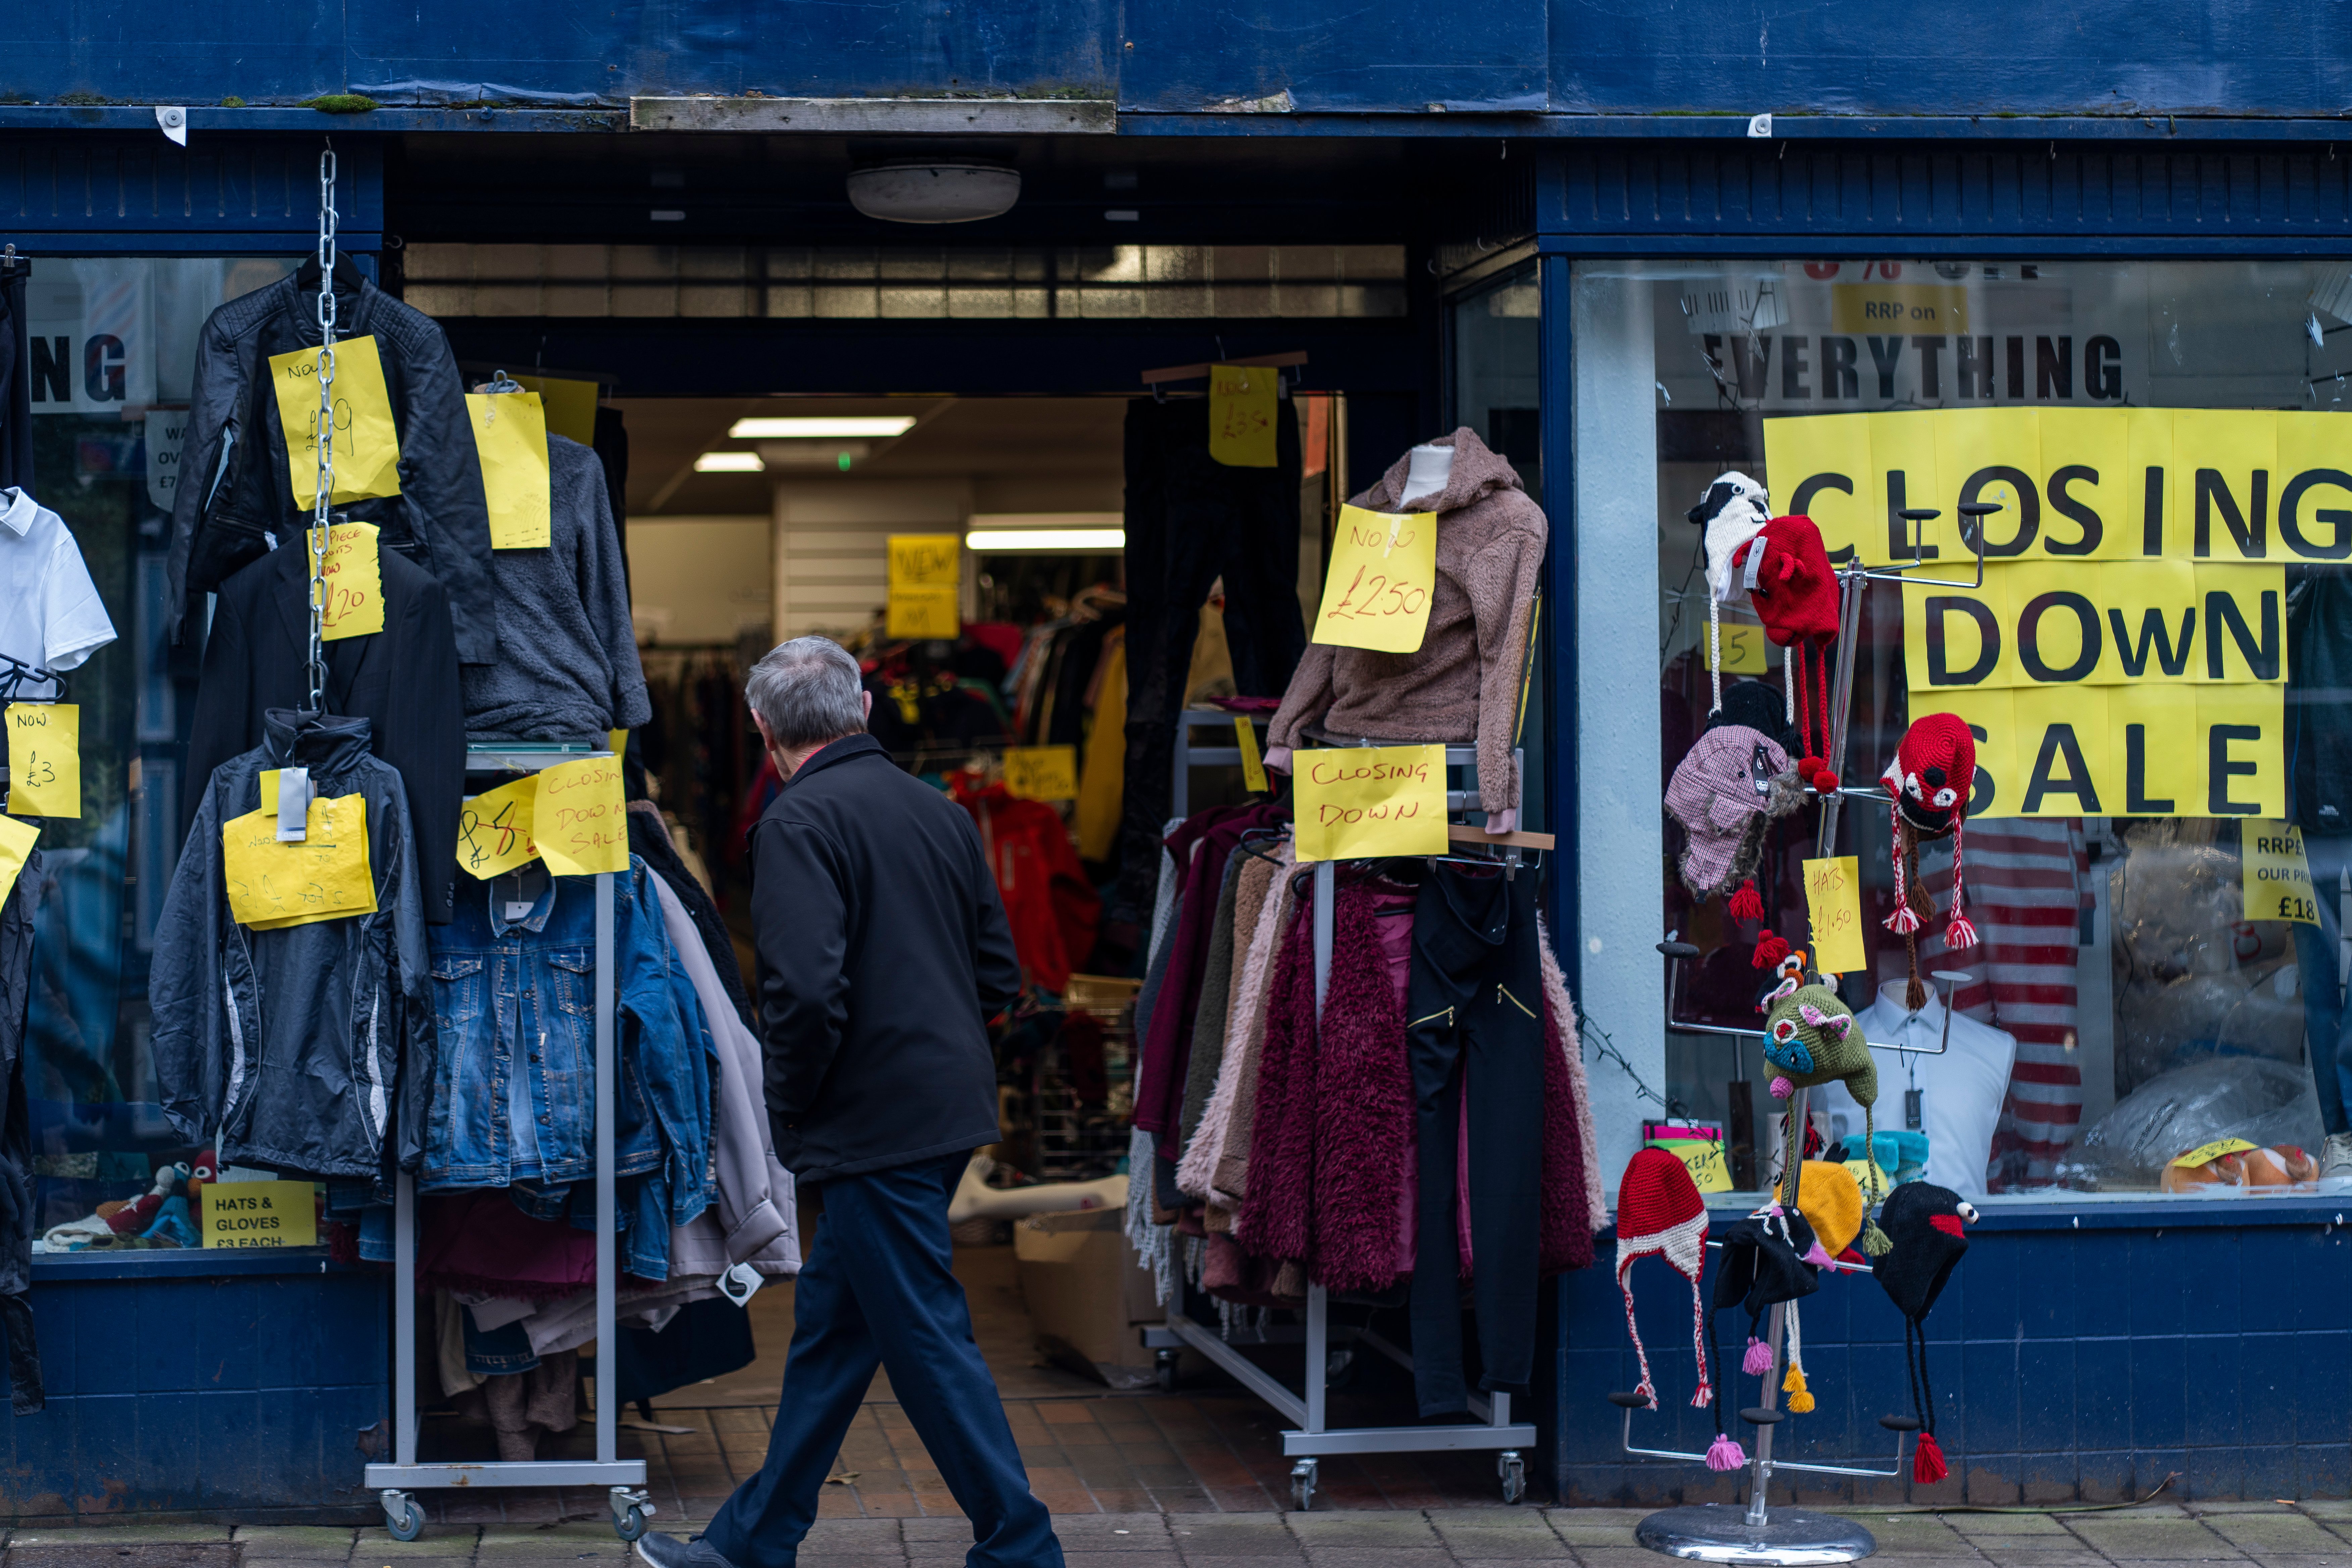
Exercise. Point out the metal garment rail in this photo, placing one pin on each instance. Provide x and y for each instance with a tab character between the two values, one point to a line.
625	1477
1314	1437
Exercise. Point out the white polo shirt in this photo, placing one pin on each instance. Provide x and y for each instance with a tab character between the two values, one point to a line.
50	613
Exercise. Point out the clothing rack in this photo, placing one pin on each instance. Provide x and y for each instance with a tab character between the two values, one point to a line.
1190	756
395	1483
1314	1437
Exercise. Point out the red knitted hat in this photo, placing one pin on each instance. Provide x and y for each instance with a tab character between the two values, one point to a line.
1785	571
1934	769
1659	1211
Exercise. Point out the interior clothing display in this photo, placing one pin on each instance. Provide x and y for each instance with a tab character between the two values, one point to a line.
2319	959
1249	879
1192	521
1463	685
293	1044
1477	1045
403	680
612	448
1216	1163
239	495
1960	1089
1102	765
16	1216
2319	699
567	667
880	1292
514	1000
51	614
872	880
1048	899
649	841
15	378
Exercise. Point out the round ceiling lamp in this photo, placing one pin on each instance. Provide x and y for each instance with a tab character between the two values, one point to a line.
934	193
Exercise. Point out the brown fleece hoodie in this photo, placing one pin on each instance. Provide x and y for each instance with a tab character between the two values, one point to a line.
1463	683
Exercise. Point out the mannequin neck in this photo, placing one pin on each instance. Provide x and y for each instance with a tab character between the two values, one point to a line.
1431	468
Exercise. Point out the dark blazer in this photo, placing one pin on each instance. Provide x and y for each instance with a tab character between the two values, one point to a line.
883	951
403	680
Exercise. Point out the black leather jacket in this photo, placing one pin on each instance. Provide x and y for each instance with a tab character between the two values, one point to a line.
295	1046
238	487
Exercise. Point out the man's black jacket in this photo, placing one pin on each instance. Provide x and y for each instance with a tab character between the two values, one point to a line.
403	680
883	951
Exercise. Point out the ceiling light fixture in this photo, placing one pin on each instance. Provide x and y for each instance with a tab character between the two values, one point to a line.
1026	540
729	463
934	192
821	427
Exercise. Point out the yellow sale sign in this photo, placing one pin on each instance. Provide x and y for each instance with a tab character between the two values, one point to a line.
1361	802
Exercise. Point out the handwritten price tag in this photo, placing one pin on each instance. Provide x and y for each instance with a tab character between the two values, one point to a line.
1241	414
2206	1153
16	841
1253	765
2277	877
45	759
367	447
1042	772
925	570
325	877
1383	571
1744	650
1833	898
1709	1171
580	818
494	829
354	580
510	440
1360	802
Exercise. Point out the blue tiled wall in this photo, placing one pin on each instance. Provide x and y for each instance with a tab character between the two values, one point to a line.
177	1391
2072	1356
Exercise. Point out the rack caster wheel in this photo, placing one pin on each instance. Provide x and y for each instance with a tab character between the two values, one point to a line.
631	1510
1514	1472
1302	1485
1163	1369
402	1516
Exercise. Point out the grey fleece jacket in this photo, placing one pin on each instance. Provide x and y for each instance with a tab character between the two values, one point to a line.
567	667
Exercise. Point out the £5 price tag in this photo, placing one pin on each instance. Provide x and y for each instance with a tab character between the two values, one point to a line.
1383	571
45	759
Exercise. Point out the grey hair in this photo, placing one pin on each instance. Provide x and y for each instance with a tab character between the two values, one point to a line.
807	691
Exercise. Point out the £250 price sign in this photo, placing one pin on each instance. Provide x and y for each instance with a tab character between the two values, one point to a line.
1359	802
1383	571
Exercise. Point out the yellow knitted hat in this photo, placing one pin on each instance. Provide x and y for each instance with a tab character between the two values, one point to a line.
1830	1200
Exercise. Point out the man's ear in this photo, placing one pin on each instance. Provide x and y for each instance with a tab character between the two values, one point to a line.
865	702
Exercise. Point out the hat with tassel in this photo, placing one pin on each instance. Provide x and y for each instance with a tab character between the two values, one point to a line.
1811	1038
1763	1265
1725	793
1934	768
1659	1212
1732	511
1927	1227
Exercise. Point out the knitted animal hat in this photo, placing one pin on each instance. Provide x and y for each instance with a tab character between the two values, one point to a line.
1659	1211
1811	1039
1926	1226
1725	793
1830	1200
1786	572
1733	512
1935	767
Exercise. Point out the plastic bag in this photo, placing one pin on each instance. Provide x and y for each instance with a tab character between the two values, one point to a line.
2259	1101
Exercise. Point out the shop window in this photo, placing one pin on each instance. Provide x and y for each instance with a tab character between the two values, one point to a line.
2158	861
115	342
1108	282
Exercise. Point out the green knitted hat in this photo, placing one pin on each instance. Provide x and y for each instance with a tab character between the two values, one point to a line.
1811	1037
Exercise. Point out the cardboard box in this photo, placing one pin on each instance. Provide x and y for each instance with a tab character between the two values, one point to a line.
1082	1286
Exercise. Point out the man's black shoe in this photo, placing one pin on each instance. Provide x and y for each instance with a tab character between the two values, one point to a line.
675	1552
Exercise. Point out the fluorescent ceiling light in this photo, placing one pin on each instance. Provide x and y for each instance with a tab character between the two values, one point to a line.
729	463
1015	539
821	427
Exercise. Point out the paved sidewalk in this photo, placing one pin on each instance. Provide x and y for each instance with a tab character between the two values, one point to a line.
2261	1535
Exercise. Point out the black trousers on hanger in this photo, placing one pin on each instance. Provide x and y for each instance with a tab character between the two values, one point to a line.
1191	521
1474	1006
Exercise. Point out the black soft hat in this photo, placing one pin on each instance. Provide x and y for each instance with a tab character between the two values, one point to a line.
1761	707
1926	1226
1762	1268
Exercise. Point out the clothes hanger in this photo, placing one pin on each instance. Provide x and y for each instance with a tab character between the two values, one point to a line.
347	274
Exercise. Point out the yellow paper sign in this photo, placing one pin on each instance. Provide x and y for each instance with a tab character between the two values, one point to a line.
1833	898
921	614
510	440
354	579
1704	1158
323	877
16	841
926	572
1042	772
571	405
494	829
580	818
367	446
2206	1153
617	743
1359	802
45	759
1383	571
1745	651
1241	415
2277	875
260	1213
1253	765
2125	750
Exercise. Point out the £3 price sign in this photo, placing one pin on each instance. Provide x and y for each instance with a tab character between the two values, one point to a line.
1383	571
45	759
1360	802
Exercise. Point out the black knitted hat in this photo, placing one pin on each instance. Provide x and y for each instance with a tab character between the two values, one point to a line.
1926	1226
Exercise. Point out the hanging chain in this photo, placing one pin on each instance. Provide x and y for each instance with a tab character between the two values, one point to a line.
323	437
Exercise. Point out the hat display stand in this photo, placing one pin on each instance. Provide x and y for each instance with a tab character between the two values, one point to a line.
1752	1533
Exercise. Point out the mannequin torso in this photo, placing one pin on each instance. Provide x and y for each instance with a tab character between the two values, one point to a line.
1431	467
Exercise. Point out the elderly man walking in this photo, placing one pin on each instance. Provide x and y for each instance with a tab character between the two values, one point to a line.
884	950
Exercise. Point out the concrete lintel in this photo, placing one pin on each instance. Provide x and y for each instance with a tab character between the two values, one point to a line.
880	116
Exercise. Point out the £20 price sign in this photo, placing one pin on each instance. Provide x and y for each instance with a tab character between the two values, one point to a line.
1383	571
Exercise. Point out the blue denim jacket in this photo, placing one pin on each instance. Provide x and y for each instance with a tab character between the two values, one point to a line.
515	1002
